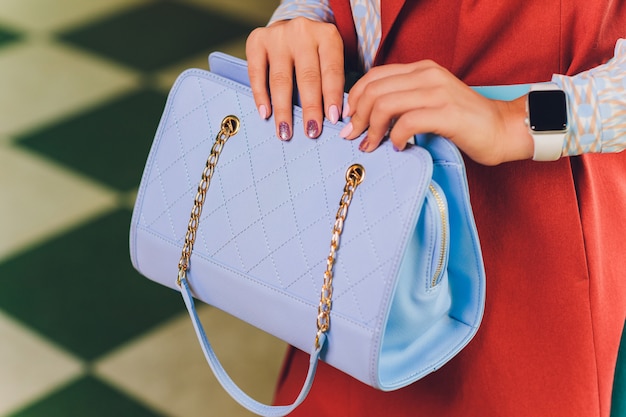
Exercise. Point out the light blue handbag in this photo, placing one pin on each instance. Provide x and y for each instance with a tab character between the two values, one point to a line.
397	294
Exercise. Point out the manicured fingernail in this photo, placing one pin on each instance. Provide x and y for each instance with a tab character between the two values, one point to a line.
395	148
346	110
284	132
312	129
364	144
263	111
333	114
347	129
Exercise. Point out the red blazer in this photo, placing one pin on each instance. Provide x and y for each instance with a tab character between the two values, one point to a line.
553	234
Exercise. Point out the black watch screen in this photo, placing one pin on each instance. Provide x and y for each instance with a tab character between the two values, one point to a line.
547	110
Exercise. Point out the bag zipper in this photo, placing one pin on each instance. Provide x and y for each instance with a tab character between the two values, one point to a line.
444	234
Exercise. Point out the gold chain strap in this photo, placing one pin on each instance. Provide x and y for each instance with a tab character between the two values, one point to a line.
230	126
354	176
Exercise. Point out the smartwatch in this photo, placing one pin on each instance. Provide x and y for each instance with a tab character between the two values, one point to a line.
546	108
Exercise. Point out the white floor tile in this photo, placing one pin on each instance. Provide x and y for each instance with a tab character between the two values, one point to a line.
41	81
166	369
30	367
39	199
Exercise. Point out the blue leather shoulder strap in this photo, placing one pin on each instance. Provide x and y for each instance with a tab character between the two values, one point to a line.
226	381
503	92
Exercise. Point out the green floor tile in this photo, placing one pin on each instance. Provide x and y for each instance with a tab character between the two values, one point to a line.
86	397
7	36
157	35
109	143
81	291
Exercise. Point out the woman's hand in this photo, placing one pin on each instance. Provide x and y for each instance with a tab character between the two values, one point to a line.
313	51
423	97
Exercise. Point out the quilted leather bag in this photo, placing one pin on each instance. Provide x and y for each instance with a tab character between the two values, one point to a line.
370	261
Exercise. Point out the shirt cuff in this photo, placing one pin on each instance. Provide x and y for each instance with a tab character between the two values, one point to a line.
597	106
319	11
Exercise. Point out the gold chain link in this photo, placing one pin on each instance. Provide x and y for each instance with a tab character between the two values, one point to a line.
354	176
229	127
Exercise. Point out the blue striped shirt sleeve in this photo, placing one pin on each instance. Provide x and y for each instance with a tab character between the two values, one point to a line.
318	10
597	106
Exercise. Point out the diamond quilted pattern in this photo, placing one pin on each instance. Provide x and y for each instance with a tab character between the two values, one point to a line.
265	231
268	218
272	221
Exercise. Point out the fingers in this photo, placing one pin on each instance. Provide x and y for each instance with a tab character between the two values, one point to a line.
309	81
281	86
257	72
372	103
382	99
320	79
379	99
310	51
395	101
418	120
278	76
398	103
380	73
391	116
333	78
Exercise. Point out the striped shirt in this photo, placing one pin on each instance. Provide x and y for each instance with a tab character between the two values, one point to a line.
597	97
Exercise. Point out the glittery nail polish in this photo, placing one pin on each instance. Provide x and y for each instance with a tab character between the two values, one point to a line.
312	129
284	132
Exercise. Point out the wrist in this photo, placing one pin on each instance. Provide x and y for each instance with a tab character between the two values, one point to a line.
518	142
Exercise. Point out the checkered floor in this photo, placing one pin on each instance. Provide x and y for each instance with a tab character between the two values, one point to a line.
82	85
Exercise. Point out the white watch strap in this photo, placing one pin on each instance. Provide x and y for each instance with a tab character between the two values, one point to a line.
544	87
548	146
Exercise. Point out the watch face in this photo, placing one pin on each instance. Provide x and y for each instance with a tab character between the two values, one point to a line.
547	111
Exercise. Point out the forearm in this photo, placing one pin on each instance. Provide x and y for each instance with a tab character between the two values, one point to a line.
597	112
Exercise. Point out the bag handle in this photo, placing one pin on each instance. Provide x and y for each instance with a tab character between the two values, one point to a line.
226	381
354	176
